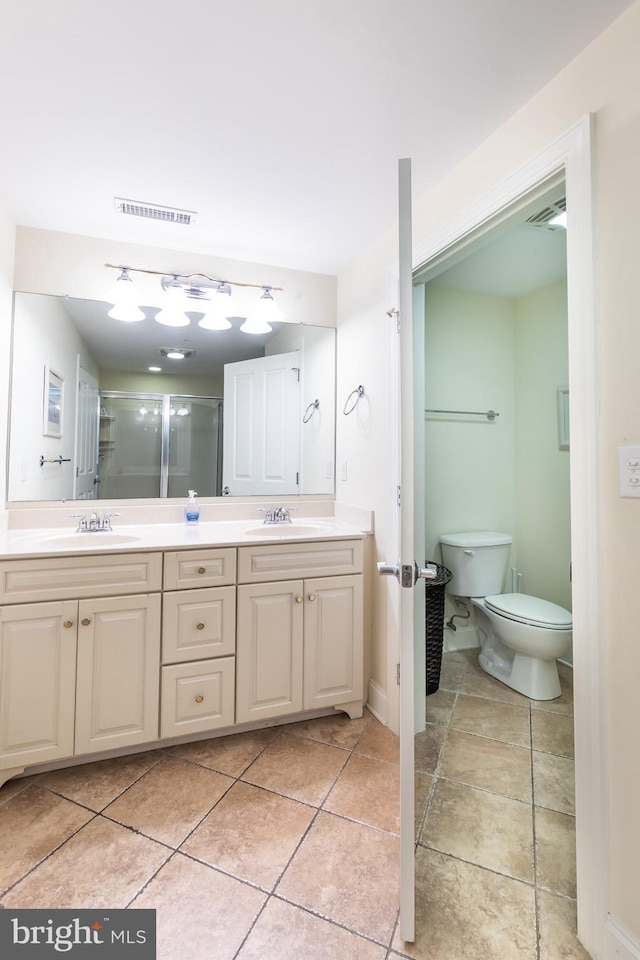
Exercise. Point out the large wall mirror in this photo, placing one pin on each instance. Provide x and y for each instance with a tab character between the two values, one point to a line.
231	414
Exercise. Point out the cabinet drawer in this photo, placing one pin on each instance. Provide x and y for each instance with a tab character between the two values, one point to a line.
197	696
199	568
292	561
198	624
64	578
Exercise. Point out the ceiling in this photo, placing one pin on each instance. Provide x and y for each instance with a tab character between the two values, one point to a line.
280	122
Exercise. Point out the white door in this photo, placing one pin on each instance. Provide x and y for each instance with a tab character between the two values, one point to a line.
409	568
262	419
86	451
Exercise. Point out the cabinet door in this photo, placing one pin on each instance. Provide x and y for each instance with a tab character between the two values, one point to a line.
117	695
269	650
37	682
332	641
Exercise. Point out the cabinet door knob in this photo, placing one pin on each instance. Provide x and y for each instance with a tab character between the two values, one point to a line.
67	624
199	698
312	597
86	622
200	626
202	569
298	599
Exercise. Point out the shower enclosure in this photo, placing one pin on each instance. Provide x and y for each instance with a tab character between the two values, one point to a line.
158	445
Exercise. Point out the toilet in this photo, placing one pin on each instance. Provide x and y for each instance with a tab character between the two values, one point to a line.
521	637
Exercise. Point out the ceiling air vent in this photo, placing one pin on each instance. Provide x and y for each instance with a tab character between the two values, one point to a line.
542	218
153	211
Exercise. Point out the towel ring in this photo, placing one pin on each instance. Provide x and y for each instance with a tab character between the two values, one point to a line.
309	412
358	392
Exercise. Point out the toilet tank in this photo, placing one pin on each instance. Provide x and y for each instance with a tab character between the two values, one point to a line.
478	562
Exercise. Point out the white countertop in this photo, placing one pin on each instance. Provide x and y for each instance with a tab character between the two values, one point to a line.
57	541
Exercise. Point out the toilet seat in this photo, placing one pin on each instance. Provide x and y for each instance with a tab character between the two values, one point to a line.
530	610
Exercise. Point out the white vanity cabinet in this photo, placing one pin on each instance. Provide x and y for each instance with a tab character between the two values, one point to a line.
79	673
299	643
198	641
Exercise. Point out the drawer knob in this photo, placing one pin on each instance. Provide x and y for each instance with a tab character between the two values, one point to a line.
199	698
86	622
202	569
200	626
312	597
67	624
298	599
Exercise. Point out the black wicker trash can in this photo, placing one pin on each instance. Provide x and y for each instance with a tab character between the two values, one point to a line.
434	624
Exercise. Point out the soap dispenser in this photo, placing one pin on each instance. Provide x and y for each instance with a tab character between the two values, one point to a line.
192	510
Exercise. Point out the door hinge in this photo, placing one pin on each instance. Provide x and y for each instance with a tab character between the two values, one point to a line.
296	370
394	312
398	496
297	479
398	674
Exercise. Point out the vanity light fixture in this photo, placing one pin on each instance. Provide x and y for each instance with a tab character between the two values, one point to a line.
196	293
124	297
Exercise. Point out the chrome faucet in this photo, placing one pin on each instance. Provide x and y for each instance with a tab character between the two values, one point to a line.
93	522
277	514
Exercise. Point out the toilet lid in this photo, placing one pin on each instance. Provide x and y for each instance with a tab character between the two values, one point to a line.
525	609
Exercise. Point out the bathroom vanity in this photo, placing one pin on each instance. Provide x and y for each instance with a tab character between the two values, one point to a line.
162	636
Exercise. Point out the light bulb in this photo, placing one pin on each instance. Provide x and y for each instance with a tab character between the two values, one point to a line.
175	355
172	313
124	297
252	325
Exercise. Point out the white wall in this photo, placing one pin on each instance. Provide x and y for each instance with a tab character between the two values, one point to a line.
543	507
43	336
160	383
7	245
605	80
470	463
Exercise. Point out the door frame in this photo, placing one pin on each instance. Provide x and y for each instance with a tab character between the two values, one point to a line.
570	155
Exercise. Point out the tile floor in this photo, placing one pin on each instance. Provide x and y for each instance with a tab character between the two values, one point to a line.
283	844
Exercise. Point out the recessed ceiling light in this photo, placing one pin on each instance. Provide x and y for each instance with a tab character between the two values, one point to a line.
155	369
176	353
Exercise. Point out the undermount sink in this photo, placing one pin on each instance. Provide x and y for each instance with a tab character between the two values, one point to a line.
93	538
288	530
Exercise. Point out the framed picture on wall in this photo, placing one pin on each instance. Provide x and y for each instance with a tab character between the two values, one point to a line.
53	405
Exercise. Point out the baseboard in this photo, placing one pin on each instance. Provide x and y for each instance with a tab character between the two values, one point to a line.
377	702
621	944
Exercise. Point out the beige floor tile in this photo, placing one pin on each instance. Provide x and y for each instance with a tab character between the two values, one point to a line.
197	907
552	733
251	833
487	718
231	755
452	671
32	824
285	932
427	748
557	923
96	784
466	913
379	742
368	791
555	851
477	683
348	873
298	768
502	768
168	802
554	782
338	730
439	706
482	828
103	864
12	788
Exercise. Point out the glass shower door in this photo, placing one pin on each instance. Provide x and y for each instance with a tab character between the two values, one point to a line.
129	447
194	442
